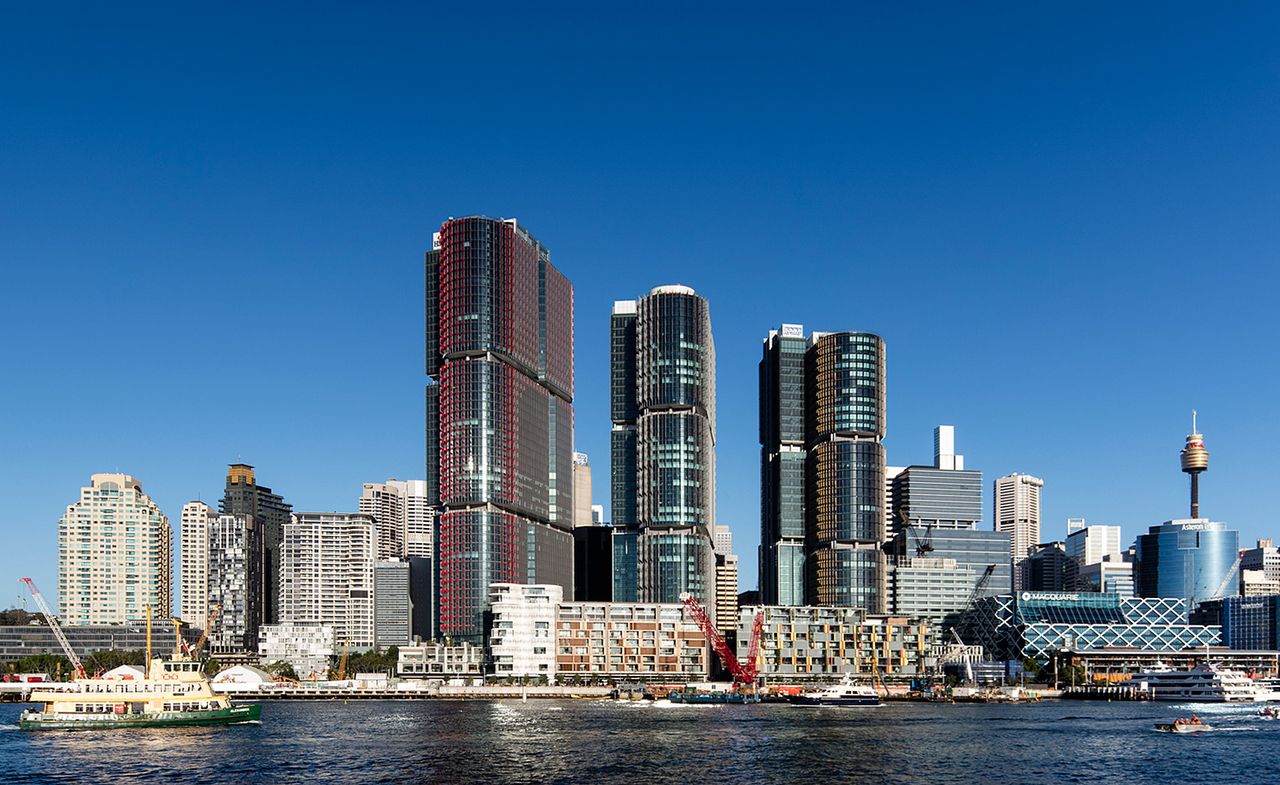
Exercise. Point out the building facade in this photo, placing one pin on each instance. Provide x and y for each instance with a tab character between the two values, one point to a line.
726	618
1110	577
1088	544
234	582
622	642
306	647
392	603
1045	568
663	401
1251	623
1190	559
327	566
1017	513
800	643
782	466
24	640
442	661
244	496
114	554
582	515
193	566
593	563
522	636
499	346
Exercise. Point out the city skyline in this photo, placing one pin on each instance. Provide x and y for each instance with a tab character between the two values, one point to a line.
1081	237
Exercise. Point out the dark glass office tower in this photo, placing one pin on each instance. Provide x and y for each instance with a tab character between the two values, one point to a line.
269	512
782	467
663	474
845	474
499	340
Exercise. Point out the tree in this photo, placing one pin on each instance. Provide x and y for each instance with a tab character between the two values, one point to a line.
16	616
44	663
281	670
212	666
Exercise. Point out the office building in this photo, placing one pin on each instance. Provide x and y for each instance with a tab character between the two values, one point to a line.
663	398
722	538
1031	624
499	348
597	515
1045	568
327	563
422	597
392	603
1255	583
1263	557
1251	623
193	562
635	643
926	587
1190	559
726	610
942	496
114	554
800	643
1109	577
593	563
235	580
782	466
244	496
521	635
1017	513
582	507
306	647
1088	544
24	640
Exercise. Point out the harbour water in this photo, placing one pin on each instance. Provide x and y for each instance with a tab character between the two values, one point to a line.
605	742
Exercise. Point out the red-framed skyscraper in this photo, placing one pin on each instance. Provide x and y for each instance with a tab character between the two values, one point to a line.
499	346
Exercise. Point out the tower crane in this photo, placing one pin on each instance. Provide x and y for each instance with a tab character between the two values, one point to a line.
204	634
924	542
743	672
57	629
342	663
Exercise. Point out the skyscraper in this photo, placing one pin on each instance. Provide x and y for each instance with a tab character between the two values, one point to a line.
499	341
194	562
1086	545
386	503
844	472
1017	511
581	490
243	496
114	554
782	462
1190	558
234	582
327	563
663	393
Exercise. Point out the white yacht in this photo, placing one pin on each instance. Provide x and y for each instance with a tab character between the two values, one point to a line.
846	693
1202	684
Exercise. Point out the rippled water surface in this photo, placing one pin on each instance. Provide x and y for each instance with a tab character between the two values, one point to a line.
604	742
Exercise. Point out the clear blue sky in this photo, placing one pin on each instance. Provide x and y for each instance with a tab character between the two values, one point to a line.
1063	220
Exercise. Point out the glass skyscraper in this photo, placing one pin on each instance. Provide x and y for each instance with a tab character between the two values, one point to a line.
499	340
782	467
663	393
1188	558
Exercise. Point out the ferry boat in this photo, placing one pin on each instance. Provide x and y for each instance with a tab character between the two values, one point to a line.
846	693
1202	684
174	692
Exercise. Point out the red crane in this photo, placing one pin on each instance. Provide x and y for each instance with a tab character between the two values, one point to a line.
743	672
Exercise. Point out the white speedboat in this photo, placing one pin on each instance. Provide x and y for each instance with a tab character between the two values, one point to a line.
1202	684
846	693
1193	725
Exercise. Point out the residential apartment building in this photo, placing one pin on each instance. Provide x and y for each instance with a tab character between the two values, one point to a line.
306	647
114	554
194	562
235	558
244	496
522	636
327	567
629	642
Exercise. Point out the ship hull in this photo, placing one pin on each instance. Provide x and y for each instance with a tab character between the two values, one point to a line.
229	716
801	700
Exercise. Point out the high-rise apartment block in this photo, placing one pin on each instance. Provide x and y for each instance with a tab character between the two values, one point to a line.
1017	512
722	538
663	405
499	354
823	489
385	502
194	562
114	554
582	515
244	496
726	619
327	573
235	560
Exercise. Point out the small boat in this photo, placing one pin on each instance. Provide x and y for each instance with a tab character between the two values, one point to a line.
1269	712
1193	725
713	696
846	693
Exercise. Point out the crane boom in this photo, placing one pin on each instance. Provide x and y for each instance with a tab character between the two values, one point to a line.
204	634
57	629
1231	573
742	672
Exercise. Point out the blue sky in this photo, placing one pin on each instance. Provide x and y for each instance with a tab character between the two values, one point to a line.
1062	219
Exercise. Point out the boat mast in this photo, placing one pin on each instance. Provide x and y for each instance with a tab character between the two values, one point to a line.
148	668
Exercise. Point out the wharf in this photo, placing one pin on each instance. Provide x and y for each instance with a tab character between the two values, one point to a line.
488	692
1108	693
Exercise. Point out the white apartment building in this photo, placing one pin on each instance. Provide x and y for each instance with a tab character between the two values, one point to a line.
722	538
521	637
1092	543
114	554
326	573
1264	557
307	647
726	610
1017	511
406	522
194	562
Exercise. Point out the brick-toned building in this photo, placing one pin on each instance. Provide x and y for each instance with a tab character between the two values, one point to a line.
624	641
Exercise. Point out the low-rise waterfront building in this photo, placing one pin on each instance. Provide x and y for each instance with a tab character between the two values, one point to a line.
443	661
800	643
521	639
24	640
1117	664
627	641
306	647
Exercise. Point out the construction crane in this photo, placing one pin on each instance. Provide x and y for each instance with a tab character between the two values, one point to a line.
979	587
57	629
342	663
204	634
742	672
964	658
1226	581
924	542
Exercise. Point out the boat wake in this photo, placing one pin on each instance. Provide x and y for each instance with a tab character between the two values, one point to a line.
248	722
9	727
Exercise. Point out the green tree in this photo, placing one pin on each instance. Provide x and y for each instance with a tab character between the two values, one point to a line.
281	670
52	664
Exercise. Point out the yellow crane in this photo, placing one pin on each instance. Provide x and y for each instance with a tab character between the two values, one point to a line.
204	635
342	662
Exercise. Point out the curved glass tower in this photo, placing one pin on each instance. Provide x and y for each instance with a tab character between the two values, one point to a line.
499	344
663	395
1190	558
844	505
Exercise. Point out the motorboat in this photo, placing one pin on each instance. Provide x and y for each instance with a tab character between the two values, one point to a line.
1193	725
846	693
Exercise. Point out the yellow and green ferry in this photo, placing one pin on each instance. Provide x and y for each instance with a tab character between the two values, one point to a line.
173	692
